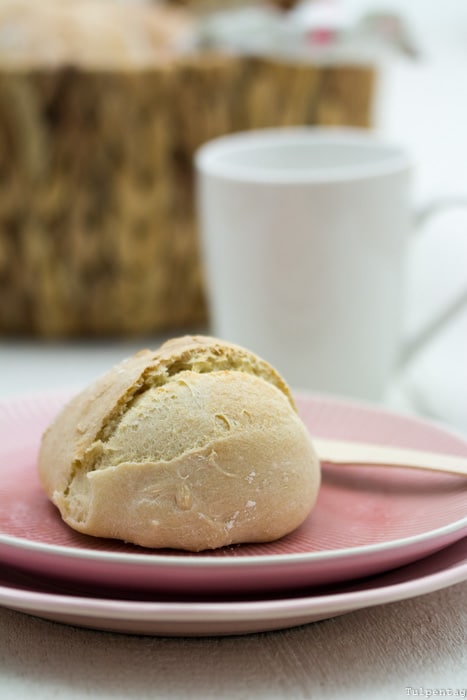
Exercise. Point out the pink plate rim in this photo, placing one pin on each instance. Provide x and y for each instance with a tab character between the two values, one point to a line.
367	595
221	562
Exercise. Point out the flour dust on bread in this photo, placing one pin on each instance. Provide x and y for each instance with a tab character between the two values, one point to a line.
194	446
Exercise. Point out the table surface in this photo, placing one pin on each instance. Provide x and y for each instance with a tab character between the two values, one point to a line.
411	648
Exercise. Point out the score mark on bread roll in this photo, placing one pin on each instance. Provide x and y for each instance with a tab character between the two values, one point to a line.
194	446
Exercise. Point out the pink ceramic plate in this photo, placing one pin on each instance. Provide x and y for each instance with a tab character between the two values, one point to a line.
177	618
367	519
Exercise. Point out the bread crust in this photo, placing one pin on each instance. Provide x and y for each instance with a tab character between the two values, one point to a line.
194	446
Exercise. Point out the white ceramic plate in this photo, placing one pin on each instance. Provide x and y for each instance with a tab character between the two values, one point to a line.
188	618
367	520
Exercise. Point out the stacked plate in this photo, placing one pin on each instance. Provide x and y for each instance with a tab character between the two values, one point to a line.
376	535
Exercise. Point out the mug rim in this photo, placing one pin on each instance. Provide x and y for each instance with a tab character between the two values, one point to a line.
210	158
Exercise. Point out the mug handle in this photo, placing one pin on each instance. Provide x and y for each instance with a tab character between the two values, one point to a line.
412	347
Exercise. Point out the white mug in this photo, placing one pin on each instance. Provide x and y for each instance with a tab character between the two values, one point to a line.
304	236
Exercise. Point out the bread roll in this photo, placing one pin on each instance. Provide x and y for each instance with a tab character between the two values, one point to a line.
195	446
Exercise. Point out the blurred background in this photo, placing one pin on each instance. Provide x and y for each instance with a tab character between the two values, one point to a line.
104	102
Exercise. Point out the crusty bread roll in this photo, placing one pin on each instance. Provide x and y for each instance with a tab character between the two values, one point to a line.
194	446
